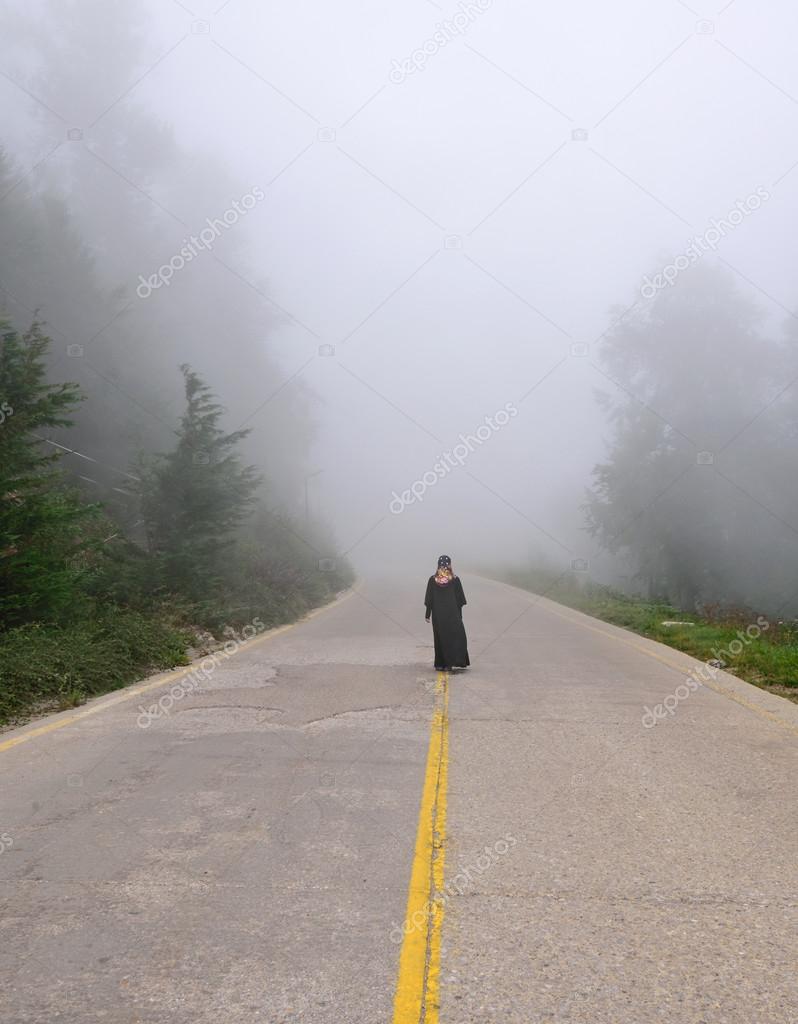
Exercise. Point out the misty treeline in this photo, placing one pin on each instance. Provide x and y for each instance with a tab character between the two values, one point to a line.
83	606
82	221
698	490
133	506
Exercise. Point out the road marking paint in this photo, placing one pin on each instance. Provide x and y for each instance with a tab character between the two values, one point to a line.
133	691
417	995
724	691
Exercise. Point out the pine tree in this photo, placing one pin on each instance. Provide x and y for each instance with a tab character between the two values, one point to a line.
194	497
40	519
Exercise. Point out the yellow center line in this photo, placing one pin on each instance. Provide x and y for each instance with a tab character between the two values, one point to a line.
417	995
159	683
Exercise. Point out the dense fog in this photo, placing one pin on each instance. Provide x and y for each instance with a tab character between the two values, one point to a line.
509	281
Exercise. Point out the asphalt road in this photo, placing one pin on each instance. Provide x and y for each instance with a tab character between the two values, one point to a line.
246	854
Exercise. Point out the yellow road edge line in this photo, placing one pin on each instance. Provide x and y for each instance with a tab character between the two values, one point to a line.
417	995
722	690
129	692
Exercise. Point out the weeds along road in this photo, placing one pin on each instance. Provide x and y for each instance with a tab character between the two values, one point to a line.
329	831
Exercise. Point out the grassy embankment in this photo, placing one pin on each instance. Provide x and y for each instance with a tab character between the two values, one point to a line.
46	667
84	606
769	661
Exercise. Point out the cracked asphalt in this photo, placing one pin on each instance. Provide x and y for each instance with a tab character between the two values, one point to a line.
246	856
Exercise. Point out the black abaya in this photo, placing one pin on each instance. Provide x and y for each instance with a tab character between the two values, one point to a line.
445	605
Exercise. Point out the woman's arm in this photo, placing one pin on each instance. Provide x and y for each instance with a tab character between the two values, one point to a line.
428	599
459	594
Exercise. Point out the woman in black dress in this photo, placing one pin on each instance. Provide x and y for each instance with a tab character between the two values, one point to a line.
444	600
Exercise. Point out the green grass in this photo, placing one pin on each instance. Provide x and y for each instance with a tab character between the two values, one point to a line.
45	668
769	661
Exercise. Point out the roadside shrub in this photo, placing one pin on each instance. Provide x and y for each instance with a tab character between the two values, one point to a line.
43	667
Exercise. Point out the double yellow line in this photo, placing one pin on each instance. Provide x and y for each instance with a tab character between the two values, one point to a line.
417	998
417	995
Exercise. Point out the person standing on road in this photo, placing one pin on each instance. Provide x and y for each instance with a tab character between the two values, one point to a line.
444	600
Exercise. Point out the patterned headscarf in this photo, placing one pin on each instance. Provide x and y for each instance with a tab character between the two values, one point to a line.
444	575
